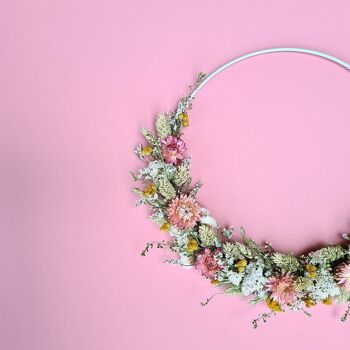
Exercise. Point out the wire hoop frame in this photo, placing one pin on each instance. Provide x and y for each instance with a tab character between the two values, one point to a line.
266	51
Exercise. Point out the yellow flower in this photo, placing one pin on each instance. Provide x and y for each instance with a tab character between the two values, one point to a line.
309	302
273	305
165	227
150	190
192	245
241	265
312	271
184	119
147	151
328	301
214	282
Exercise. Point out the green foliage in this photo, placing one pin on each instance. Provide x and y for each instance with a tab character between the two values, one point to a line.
227	232
166	189
244	250
286	262
231	250
163	126
237	251
138	152
149	137
343	297
158	217
182	174
195	189
138	191
327	255
254	248
206	236
232	290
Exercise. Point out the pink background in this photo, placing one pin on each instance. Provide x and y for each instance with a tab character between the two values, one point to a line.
269	138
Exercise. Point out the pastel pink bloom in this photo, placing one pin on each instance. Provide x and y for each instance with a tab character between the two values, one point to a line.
207	264
173	150
282	288
183	212
343	276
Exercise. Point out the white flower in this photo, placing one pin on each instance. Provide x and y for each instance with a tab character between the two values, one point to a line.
254	280
207	219
324	287
297	305
235	278
156	169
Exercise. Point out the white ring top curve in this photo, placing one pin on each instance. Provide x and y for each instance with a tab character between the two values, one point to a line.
261	52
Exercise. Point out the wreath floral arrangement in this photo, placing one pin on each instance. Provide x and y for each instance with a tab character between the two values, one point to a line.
238	266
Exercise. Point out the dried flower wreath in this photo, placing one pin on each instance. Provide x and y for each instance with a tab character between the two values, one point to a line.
241	266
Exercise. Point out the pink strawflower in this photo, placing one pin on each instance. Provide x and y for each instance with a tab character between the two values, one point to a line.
282	288
183	212
343	276
207	264
173	150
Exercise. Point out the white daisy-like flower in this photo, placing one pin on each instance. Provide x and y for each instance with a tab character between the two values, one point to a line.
207	219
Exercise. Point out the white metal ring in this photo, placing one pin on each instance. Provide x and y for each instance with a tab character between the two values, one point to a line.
261	52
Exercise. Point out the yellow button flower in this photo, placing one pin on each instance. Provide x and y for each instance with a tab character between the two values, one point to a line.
192	245
214	282
150	190
165	227
328	301
312	271
147	151
184	119
241	265
309	302
273	305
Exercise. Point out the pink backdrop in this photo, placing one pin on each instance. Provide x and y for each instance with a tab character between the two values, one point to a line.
269	138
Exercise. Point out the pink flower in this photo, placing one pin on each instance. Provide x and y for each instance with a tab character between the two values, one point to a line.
282	288
343	276
207	264
183	212
173	150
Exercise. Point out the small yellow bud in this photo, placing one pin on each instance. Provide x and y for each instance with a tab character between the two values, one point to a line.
312	270
192	245
214	282
309	302
273	305
165	227
328	301
184	119
150	190
147	151
241	265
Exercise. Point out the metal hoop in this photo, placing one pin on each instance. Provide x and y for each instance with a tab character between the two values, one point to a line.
261	52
